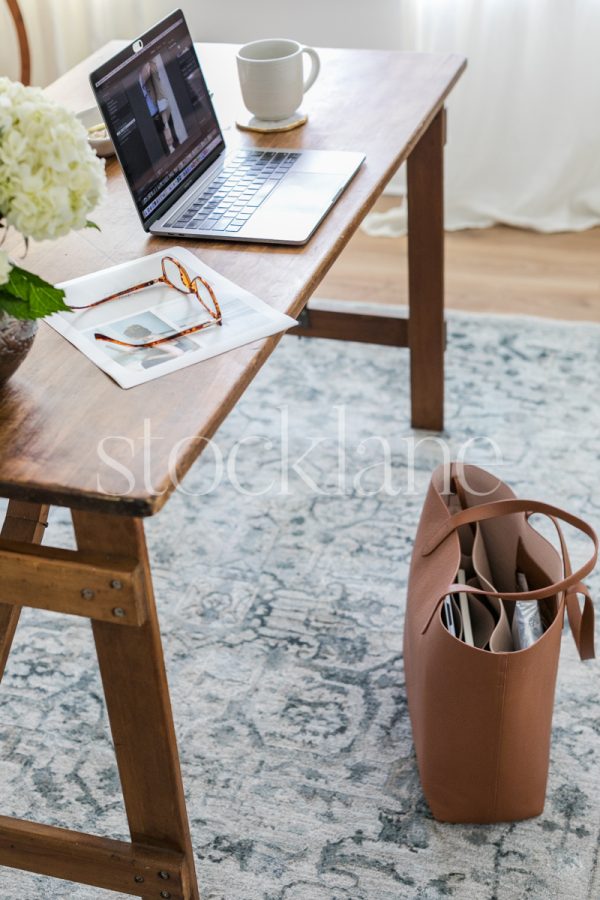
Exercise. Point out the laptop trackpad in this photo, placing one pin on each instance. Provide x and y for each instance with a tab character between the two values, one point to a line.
293	209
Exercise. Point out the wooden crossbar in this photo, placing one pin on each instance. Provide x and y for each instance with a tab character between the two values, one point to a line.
135	869
348	326
71	581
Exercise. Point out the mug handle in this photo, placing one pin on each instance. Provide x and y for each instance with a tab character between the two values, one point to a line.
315	67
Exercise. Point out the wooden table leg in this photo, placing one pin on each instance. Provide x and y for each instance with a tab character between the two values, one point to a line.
23	522
426	276
139	709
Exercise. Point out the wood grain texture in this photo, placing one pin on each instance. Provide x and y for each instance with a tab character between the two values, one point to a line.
24	522
66	581
98	861
347	326
59	406
24	52
425	181
139	709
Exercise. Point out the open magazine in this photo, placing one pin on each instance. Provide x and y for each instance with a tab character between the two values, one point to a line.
155	312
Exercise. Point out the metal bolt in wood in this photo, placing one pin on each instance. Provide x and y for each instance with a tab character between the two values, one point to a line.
164	875
116	585
88	594
119	612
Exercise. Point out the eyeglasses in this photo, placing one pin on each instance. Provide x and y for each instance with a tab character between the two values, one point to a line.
176	276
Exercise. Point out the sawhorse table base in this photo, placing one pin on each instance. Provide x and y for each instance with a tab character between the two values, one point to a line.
107	579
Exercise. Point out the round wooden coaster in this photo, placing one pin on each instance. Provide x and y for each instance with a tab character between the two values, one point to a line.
248	122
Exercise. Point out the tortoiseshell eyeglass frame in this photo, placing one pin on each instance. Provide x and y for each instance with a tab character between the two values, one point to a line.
190	286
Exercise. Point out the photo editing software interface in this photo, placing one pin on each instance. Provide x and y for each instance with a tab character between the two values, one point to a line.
156	103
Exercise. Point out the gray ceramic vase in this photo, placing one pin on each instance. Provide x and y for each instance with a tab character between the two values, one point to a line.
16	338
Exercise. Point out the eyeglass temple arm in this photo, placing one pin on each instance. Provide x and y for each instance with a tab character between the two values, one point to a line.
163	340
131	290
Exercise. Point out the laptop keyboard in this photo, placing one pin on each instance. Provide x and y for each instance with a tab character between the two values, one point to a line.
242	186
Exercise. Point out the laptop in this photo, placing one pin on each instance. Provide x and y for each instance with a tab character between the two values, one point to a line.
184	183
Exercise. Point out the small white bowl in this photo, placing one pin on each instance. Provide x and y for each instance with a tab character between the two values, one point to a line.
102	143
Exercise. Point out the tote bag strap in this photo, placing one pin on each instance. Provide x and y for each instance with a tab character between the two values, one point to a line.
582	623
500	508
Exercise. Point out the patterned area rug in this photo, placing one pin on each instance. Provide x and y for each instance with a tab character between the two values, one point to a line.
282	620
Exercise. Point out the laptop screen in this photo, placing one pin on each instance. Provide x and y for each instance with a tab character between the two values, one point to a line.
159	113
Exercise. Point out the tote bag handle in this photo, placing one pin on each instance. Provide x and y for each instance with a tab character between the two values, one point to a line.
582	623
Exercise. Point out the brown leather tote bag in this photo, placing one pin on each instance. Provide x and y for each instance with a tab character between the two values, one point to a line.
482	718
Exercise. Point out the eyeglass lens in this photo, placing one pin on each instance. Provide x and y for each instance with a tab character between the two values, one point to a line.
176	275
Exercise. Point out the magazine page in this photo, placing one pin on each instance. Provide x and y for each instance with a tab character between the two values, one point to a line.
116	334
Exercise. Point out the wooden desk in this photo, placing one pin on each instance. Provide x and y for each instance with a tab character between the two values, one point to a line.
57	410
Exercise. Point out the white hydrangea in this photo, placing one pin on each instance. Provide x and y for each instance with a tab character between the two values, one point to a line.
50	178
5	267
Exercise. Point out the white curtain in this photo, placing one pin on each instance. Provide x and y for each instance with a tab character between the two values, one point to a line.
524	128
524	122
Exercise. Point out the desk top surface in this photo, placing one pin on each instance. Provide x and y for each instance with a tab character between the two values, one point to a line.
59	406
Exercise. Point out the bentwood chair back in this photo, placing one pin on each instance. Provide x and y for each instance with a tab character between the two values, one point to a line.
24	52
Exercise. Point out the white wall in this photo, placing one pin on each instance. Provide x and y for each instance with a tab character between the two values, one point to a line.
64	31
330	23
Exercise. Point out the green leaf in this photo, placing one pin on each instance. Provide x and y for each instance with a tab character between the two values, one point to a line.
90	224
27	296
17	308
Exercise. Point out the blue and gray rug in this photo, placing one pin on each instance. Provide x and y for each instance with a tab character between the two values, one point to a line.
281	598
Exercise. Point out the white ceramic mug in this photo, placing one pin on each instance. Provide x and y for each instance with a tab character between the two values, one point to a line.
272	77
